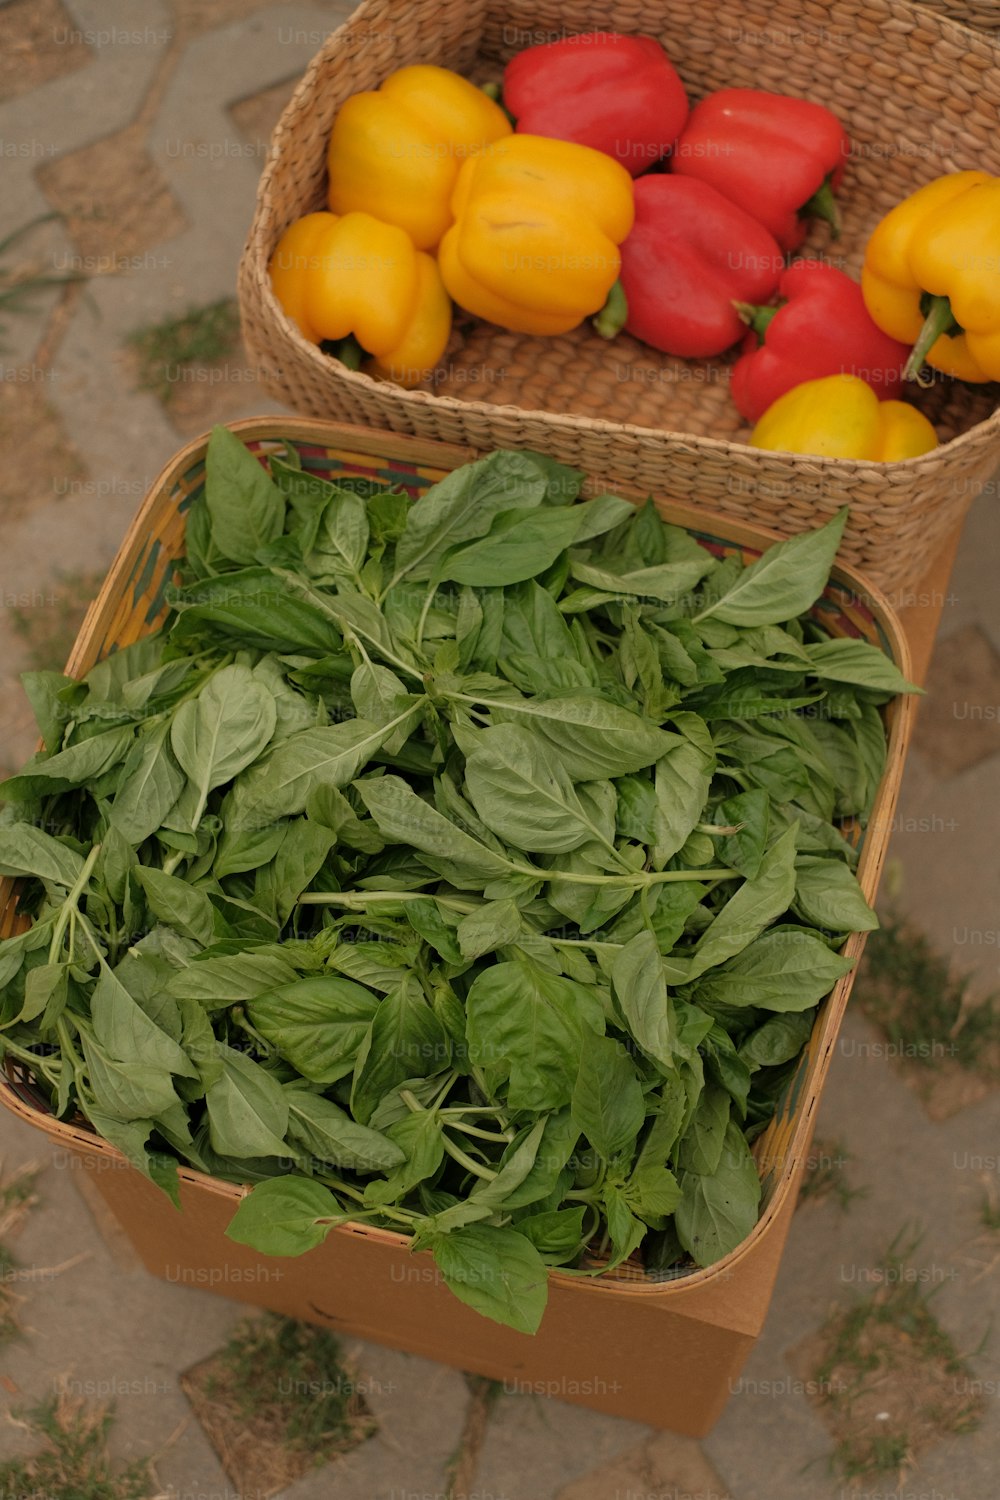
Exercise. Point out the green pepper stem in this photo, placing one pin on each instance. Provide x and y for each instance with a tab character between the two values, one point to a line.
757	318
823	205
613	316
349	352
939	320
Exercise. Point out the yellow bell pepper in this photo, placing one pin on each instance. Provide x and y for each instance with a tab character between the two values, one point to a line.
353	276
395	152
840	416
538	222
931	276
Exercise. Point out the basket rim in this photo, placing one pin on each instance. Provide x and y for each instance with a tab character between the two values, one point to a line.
433	453
261	237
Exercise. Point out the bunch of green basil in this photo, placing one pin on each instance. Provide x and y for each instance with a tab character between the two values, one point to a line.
467	867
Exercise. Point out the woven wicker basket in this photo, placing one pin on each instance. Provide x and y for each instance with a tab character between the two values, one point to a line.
985	15
919	96
130	604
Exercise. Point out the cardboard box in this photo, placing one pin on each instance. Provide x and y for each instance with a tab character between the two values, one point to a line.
662	1352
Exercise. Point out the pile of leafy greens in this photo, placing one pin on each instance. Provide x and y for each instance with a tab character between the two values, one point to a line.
469	867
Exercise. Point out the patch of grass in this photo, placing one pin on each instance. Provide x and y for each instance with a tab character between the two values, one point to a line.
906	987
72	1459
890	1381
21	281
825	1175
50	628
202	335
276	1401
460	1470
17	1198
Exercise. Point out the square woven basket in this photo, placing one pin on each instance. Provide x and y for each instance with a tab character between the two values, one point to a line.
919	95
363	1280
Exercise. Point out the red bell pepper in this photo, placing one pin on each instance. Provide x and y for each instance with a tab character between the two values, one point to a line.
820	327
617	94
779	158
691	255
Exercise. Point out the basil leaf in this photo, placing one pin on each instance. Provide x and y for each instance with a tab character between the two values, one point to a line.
591	737
497	1272
27	850
716	1213
178	904
126	1032
247	1111
330	1134
757	903
403	817
223	730
828	896
779	971
279	785
285	1216
637	975
784	582
316	1024
151	782
856	662
529	1026
218	982
404	1040
607	1101
246	508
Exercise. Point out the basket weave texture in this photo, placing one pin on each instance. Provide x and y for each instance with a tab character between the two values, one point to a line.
919	96
132	602
985	15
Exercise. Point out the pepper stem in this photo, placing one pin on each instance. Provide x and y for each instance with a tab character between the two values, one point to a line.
492	90
939	320
613	316
823	205
348	351
757	318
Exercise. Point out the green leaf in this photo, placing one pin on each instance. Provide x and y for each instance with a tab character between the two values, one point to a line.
529	1025
219	733
781	1038
405	1040
524	795
493	925
496	1271
247	1111
285	1216
27	850
683	777
316	1024
608	1105
784	582
555	1234
246	509
637	975
716	1214
330	1135
404	818
178	904
857	662
151	782
749	814
700	1147
828	896
68	768
755	905
253	608
590	737
127	1091
786	970
279	785
222	981
419	1140
462	506
128	1034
